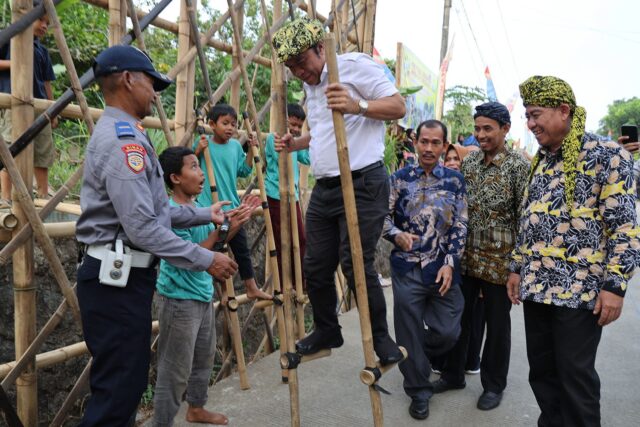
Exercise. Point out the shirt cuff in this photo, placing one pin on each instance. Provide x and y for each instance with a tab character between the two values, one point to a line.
515	267
450	260
615	284
203	216
204	259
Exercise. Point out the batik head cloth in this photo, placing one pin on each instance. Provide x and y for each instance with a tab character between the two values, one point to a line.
551	92
494	111
297	36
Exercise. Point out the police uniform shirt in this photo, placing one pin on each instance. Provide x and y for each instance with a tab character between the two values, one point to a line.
364	79
123	185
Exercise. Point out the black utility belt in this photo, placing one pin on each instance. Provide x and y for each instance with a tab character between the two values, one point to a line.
334	181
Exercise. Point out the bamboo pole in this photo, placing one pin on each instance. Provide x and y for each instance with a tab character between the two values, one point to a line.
297	262
371	376
70	208
116	26
60	229
61	42
182	83
8	220
24	290
157	100
234	324
351	214
234	98
285	241
369	26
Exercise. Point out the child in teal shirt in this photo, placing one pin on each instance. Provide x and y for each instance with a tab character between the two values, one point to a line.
229	163
187	340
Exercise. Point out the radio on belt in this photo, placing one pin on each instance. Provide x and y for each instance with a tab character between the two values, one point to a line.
115	267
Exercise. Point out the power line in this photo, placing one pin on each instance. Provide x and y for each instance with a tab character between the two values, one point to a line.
493	47
507	38
466	40
472	33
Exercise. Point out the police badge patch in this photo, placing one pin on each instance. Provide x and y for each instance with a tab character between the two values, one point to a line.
134	157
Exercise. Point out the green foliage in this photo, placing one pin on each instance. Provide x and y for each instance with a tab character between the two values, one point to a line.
622	111
406	91
147	396
459	117
390	156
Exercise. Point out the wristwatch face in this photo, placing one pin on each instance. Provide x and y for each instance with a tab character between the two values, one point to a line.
364	105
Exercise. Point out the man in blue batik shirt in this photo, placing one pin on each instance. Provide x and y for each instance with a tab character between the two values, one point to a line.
427	222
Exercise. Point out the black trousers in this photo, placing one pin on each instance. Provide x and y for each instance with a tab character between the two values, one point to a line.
494	366
426	324
561	348
117	329
328	244
242	254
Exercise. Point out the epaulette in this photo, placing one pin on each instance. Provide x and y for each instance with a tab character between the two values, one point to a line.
124	129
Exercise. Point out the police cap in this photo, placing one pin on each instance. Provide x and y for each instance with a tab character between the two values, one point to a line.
116	59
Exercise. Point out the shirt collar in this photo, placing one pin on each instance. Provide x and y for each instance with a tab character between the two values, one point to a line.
500	157
437	171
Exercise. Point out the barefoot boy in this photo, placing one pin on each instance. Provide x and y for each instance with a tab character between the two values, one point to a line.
187	340
229	163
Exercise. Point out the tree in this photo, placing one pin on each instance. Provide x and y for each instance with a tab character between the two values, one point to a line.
621	112
459	117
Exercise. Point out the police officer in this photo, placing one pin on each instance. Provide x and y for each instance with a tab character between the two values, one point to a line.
125	226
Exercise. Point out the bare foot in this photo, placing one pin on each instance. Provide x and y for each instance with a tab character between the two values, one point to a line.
253	293
201	415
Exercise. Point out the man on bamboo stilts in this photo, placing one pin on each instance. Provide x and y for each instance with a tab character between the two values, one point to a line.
366	98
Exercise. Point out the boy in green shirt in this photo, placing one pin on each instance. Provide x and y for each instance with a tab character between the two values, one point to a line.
187	343
229	162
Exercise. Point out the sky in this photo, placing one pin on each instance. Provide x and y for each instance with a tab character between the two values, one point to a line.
593	45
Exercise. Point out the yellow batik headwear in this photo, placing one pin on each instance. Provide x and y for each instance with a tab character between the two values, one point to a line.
550	91
297	36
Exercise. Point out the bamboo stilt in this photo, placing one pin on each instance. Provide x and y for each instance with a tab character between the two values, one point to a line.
351	214
284	336
116	27
236	337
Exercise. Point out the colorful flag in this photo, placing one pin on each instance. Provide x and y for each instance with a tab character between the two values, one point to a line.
491	90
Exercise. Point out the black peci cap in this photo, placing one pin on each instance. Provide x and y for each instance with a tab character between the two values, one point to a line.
116	59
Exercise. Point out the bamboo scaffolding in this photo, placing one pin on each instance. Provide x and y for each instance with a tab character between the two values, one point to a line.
351	214
25	139
234	74
23	197
172	27
78	388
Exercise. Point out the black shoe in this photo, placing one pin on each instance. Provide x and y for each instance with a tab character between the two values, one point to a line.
419	408
489	400
319	340
388	351
441	385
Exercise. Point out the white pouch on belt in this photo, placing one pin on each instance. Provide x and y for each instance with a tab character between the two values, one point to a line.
115	266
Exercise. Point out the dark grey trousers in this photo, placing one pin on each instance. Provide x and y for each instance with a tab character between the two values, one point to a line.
186	349
426	324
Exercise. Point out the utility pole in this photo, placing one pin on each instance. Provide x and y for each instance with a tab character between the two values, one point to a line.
445	29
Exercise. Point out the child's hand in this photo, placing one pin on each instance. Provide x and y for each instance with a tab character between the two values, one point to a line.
203	143
282	143
242	213
252	140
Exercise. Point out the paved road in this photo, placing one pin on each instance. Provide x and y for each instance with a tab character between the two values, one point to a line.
332	395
